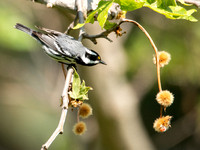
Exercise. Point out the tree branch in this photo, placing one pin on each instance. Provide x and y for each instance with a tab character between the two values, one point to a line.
104	34
65	101
101	35
81	12
89	6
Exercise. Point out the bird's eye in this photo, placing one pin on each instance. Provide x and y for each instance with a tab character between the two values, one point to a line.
99	58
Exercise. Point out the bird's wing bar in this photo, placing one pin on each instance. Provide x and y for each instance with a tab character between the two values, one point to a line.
49	31
63	51
46	39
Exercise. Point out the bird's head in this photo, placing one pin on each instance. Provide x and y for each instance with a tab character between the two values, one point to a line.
91	58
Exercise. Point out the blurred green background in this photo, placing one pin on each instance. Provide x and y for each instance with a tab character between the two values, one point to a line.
31	83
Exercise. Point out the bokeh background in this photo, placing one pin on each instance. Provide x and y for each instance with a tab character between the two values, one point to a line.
123	99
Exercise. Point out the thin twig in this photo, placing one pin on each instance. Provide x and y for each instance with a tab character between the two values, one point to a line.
70	27
59	129
103	34
64	71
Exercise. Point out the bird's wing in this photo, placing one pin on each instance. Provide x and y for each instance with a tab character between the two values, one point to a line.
60	42
69	46
57	33
46	39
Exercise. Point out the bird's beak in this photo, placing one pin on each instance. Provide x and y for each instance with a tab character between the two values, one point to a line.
102	62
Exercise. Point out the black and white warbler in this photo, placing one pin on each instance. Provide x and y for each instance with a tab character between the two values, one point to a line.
63	48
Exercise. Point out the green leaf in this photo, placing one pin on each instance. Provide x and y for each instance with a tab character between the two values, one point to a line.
165	3
102	11
104	6
72	95
79	90
84	89
182	13
171	10
149	1
79	25
109	25
76	84
85	97
90	18
130	5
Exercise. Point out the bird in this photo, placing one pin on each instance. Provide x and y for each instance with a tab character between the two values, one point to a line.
63	48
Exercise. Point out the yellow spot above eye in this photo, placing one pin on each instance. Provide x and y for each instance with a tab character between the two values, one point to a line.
99	57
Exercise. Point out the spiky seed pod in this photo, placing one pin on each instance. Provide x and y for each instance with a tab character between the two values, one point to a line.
162	124
164	58
85	110
79	128
165	98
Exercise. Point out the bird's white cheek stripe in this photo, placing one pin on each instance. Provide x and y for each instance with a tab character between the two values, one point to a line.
88	61
89	51
85	59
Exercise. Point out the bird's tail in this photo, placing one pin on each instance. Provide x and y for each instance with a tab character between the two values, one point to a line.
23	28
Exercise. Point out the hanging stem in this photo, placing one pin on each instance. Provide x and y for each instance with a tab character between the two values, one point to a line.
161	110
78	114
154	47
156	53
